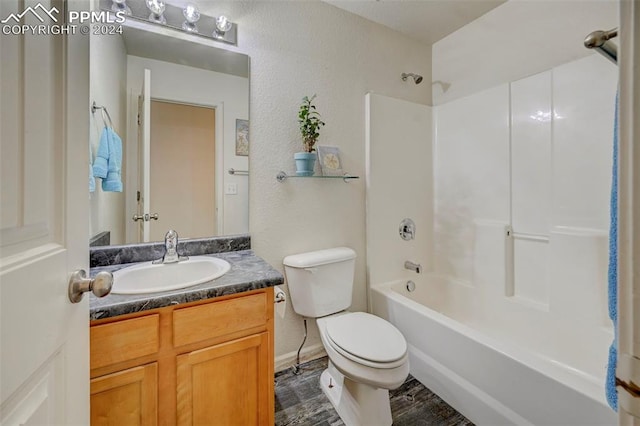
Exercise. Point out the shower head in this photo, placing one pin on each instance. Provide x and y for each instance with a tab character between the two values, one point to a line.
416	78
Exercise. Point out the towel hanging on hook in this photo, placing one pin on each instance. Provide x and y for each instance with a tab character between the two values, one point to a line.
108	162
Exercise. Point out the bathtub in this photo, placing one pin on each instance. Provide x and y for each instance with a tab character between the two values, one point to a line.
510	364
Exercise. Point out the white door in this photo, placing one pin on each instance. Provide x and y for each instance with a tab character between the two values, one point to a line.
44	225
628	368
144	156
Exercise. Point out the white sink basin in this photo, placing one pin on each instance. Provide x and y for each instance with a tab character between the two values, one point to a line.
149	278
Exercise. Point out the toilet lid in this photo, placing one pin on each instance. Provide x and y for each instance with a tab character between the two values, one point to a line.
367	337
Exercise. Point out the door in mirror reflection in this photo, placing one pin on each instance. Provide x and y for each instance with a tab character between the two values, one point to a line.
182	170
144	158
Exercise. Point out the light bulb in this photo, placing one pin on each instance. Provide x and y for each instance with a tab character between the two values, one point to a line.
157	9
222	24
192	16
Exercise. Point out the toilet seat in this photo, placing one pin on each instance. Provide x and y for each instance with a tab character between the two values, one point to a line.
366	339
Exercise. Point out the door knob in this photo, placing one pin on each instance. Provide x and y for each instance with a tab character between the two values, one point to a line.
80	284
146	217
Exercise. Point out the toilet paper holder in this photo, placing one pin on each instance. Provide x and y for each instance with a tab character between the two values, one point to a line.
279	296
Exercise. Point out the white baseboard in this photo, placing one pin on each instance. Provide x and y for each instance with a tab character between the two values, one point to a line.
288	360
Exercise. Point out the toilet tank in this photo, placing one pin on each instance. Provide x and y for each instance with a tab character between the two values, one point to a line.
320	282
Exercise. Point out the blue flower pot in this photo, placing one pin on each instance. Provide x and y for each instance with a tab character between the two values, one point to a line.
305	163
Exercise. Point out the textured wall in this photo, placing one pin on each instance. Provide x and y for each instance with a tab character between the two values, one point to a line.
297	49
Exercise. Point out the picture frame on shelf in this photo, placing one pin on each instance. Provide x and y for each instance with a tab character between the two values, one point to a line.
242	137
329	159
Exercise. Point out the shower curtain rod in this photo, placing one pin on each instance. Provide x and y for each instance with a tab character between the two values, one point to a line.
600	40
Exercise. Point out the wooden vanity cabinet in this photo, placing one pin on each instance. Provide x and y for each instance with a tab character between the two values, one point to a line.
205	363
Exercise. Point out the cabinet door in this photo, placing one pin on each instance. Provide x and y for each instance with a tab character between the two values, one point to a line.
226	384
128	397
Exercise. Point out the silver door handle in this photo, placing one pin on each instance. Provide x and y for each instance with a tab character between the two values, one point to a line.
79	284
146	217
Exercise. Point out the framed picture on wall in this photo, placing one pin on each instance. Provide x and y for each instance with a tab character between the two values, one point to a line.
242	137
329	158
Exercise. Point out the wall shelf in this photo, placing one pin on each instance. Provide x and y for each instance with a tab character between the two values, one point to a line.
282	176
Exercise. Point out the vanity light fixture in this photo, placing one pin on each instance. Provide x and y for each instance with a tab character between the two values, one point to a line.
157	8
185	18
191	16
120	6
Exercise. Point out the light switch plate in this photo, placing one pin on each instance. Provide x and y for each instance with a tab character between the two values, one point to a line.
231	189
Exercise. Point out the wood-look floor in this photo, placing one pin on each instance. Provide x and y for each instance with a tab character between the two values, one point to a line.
300	401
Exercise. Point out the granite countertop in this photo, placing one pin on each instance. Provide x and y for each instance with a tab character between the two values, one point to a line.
248	272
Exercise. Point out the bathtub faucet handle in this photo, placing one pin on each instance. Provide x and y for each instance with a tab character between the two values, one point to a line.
416	267
407	229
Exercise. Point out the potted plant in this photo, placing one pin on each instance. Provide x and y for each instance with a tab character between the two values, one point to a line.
310	123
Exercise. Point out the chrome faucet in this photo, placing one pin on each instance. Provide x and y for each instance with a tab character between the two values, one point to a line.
170	249
412	266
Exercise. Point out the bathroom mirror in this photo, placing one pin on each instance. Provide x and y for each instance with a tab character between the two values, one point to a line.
181	108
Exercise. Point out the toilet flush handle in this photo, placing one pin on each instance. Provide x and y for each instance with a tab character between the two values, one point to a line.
312	270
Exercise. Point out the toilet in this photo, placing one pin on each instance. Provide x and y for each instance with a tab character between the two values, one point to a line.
367	355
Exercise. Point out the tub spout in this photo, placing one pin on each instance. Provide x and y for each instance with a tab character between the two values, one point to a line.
413	266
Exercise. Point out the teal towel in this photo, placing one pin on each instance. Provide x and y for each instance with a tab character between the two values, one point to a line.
113	180
101	163
610	382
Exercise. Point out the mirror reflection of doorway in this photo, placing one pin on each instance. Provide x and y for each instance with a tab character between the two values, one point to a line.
182	170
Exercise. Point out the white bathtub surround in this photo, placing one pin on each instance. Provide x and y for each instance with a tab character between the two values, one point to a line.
510	326
399	185
535	156
521	217
521	214
471	168
497	366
